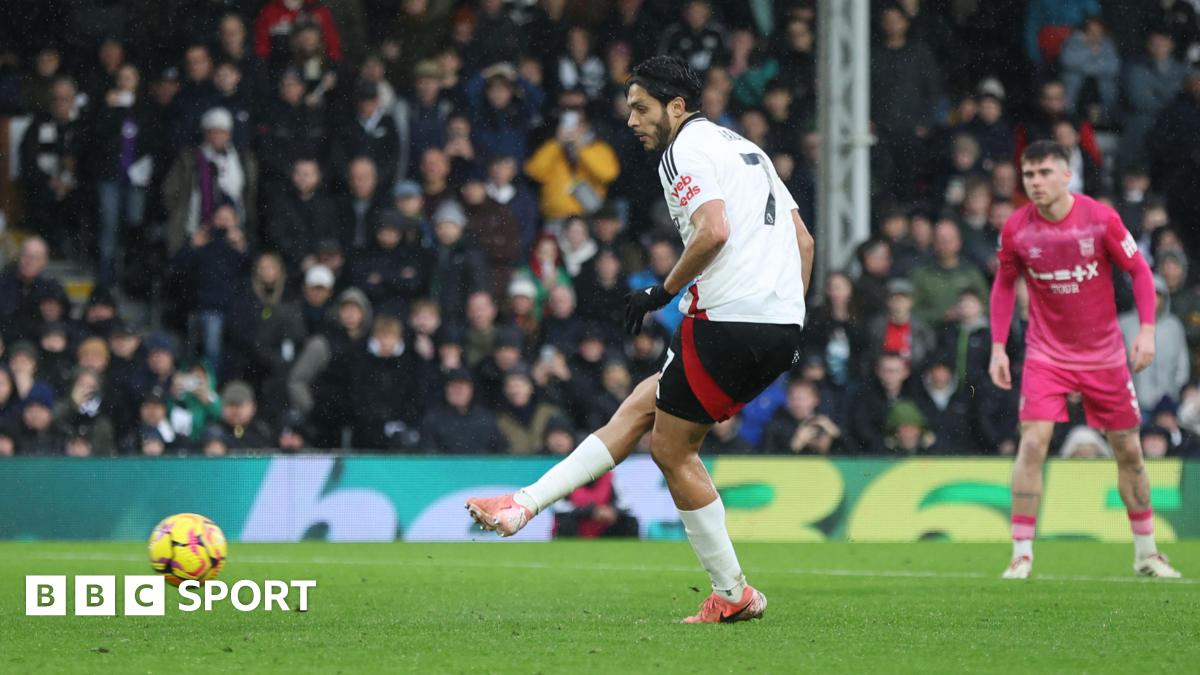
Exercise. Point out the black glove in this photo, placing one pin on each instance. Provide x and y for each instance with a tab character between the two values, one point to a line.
641	301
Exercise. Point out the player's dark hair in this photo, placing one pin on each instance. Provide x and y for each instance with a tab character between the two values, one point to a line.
667	78
1040	150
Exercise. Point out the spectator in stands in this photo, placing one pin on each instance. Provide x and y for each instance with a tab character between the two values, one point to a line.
302	217
574	168
503	106
279	18
594	510
503	188
397	269
193	401
578	66
1091	70
392	385
897	331
990	129
522	310
1085	173
1149	83
291	128
315	299
798	427
663	255
481	330
121	165
497	36
938	284
435	182
577	246
1052	107
1048	25
545	269
1173	151
56	361
359	210
697	37
211	265
508	346
310	59
460	270
415	36
869	411
234	46
561	326
908	431
36	85
51	152
1171	368
21	287
458	425
239	430
227	81
79	418
523	418
601	288
36	434
870	289
409	202
833	329
906	86
372	134
322	379
156	373
1183	299
946	407
1133	198
421	118
270	333
493	227
209	176
154	435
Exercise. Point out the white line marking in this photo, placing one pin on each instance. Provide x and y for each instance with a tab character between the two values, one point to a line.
610	567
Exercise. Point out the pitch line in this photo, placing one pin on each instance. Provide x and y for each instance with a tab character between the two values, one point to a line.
611	567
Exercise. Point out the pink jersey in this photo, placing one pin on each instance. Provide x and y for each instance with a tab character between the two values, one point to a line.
1068	269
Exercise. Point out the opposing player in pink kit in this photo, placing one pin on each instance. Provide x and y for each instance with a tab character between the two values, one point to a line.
1066	246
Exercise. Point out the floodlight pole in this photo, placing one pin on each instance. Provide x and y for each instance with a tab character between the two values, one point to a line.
844	174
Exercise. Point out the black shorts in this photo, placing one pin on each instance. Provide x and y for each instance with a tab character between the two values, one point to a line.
715	367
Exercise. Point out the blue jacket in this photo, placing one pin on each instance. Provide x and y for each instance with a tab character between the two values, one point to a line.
1042	13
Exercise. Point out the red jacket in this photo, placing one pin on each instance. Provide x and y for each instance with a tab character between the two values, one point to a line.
276	19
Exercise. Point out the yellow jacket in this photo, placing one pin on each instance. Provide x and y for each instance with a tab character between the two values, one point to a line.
597	165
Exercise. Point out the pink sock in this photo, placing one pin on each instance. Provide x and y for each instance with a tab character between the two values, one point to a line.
1023	526
1141	522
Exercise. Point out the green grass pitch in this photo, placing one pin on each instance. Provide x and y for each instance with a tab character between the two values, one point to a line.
613	606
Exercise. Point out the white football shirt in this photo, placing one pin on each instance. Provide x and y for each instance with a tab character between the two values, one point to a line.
756	278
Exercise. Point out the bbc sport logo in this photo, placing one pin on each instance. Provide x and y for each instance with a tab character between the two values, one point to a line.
96	595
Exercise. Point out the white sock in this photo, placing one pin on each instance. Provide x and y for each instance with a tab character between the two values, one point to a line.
1022	547
590	460
1144	546
710	540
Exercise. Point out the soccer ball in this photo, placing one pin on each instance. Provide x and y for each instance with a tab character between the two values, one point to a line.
187	546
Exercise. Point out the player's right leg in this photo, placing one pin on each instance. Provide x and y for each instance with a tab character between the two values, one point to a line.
1027	494
675	447
598	453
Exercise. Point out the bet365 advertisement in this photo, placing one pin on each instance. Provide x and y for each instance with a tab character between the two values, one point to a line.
371	498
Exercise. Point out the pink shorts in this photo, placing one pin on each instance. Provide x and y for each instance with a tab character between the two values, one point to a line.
1109	401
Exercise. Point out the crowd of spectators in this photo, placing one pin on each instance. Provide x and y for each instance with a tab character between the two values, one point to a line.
408	225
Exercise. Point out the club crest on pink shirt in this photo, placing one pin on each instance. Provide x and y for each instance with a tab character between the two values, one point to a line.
1087	246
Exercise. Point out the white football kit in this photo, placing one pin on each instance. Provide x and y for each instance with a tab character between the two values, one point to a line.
756	278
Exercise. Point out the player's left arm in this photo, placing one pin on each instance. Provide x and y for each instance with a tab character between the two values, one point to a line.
1123	251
